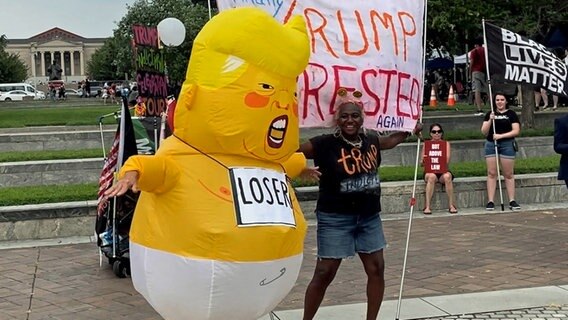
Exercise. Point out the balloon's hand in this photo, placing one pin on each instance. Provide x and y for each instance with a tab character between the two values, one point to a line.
129	181
310	174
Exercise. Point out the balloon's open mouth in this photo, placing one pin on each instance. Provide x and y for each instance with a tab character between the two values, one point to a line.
277	132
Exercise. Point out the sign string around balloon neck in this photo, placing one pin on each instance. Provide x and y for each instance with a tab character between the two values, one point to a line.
217	161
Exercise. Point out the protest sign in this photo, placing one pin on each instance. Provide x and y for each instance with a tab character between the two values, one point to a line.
150	69
371	46
435	157
522	60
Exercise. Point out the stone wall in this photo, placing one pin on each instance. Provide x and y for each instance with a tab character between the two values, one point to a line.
50	172
88	170
57	220
49	141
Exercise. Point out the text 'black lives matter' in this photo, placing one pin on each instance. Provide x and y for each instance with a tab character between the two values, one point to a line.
518	59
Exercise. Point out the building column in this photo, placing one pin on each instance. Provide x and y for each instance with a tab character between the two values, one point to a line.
42	57
33	54
72	60
62	57
81	63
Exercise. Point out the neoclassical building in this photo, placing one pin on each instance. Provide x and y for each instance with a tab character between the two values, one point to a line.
69	50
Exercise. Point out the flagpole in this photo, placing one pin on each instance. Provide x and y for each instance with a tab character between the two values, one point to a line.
118	166
155	134
413	198
209	8
486	51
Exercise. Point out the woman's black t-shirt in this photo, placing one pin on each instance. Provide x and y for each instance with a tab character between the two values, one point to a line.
349	183
503	122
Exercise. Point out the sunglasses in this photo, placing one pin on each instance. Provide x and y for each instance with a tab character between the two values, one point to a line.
436	131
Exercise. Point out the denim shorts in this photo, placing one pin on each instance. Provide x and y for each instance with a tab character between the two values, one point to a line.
504	148
342	235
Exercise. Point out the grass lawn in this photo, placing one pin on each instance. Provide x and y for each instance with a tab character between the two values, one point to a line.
50	194
27	115
97	153
56	116
47	194
50	155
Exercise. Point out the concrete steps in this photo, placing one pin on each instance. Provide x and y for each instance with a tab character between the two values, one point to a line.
50	141
60	220
46	221
78	171
50	172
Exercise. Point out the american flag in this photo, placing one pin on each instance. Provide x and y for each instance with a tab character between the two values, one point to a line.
123	146
107	175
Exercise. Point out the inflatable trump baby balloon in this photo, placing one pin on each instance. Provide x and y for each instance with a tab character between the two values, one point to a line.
218	232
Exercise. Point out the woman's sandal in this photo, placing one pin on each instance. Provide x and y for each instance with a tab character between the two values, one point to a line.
426	211
453	210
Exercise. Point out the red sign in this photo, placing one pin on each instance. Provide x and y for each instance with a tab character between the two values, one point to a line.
435	156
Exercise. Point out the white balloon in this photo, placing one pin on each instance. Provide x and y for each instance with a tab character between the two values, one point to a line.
171	31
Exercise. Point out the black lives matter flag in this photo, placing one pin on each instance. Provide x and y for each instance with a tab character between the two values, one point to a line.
522	60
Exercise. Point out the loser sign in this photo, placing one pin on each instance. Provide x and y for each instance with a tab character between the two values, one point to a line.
262	197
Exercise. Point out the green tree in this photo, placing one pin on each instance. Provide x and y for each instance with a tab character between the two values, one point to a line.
12	69
453	24
115	58
103	63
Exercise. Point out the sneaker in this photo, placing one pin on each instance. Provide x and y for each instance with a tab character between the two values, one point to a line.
490	206
479	113
513	205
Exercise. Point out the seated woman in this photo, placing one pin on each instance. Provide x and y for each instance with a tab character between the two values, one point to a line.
436	158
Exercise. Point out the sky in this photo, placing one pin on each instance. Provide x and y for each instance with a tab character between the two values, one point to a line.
22	19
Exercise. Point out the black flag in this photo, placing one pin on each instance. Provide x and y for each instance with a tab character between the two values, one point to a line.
515	58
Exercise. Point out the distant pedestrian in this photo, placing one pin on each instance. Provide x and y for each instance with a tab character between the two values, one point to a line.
88	87
105	95
478	74
62	92
52	92
83	88
561	146
133	95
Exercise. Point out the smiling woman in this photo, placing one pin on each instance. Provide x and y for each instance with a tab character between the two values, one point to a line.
348	207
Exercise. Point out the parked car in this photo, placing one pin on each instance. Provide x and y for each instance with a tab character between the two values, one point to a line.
96	91
16	95
40	95
73	92
29	89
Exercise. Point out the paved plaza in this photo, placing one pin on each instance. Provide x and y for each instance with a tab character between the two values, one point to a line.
466	257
